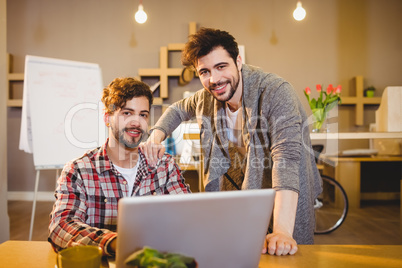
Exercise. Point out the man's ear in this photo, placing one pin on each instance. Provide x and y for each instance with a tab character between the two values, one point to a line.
106	119
239	62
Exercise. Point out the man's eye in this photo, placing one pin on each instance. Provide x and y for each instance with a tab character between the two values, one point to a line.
144	115
126	113
202	72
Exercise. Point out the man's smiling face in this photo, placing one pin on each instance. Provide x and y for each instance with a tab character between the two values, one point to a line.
128	124
219	74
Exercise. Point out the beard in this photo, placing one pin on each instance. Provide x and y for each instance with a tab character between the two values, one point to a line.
128	142
234	84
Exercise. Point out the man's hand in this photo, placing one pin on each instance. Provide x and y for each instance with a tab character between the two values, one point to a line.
279	244
153	148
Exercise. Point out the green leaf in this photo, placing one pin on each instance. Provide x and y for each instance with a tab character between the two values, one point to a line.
308	98
318	114
319	101
179	258
319	104
176	263
330	106
332	99
146	258
152	258
313	104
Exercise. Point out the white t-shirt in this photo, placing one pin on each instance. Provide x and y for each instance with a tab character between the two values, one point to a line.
234	128
129	174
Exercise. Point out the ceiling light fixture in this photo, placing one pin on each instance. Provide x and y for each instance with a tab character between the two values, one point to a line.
299	13
140	15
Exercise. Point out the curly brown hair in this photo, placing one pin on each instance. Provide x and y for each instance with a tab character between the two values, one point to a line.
123	89
204	41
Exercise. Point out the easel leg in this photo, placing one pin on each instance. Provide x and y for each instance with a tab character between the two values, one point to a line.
57	175
34	204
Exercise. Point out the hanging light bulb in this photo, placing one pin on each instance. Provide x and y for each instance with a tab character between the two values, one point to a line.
299	13
140	15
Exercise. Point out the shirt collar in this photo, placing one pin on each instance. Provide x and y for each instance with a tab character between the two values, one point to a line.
102	161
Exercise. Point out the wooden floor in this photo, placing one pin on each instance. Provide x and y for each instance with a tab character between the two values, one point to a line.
374	223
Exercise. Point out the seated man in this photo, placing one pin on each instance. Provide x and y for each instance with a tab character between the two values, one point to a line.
89	188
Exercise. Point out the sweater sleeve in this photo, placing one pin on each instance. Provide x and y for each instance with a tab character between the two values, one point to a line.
285	122
177	113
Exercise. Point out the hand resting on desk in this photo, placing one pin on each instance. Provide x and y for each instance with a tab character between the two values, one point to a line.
279	244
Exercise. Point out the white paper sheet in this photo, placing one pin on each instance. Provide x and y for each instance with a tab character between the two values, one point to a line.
26	131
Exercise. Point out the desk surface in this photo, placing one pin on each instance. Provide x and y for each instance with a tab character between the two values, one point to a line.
374	158
355	135
39	254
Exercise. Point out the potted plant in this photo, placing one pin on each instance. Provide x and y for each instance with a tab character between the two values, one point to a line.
323	104
369	92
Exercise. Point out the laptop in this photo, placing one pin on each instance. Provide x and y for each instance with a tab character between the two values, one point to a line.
217	229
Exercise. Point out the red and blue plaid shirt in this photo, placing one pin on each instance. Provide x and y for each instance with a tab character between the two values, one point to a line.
88	190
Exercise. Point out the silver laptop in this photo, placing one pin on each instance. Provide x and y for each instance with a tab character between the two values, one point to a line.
217	229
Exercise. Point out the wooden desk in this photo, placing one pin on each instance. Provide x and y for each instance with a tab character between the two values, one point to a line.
346	170
355	135
39	254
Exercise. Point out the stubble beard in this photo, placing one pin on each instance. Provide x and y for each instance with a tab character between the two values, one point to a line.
129	144
234	84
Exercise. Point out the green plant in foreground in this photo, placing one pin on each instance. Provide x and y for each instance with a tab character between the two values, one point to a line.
152	258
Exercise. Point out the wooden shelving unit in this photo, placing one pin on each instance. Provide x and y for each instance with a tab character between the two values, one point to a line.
164	72
13	77
360	101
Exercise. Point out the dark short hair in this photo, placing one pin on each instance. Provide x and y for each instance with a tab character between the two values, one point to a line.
204	41
123	89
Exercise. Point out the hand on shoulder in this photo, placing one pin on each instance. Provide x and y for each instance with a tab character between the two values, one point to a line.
152	148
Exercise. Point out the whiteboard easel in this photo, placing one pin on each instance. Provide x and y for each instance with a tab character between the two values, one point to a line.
35	198
62	116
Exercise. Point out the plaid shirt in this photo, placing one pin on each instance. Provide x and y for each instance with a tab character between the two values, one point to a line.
88	190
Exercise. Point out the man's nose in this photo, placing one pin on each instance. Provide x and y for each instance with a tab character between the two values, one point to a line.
215	77
134	120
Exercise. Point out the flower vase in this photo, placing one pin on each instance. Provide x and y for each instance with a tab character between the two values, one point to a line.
320	118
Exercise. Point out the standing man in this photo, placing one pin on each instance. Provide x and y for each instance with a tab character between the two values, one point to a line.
89	187
252	135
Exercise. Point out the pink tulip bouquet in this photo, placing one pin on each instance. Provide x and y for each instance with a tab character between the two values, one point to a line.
323	104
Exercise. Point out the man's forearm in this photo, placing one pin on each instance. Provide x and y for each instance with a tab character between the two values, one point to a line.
285	211
157	135
281	241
